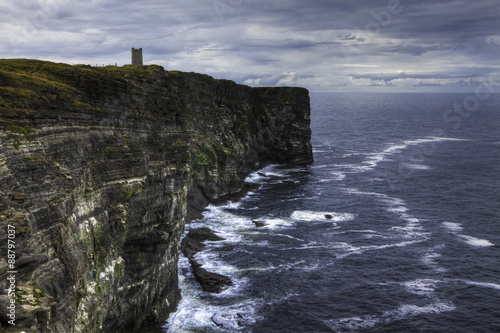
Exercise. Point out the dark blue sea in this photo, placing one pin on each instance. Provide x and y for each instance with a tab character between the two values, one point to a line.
394	228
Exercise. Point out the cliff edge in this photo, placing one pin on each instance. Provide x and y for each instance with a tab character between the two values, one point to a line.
99	168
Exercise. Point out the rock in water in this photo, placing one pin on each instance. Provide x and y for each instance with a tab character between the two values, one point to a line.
259	224
210	282
194	243
230	321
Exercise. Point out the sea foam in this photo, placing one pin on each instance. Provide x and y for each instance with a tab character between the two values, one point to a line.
456	228
311	216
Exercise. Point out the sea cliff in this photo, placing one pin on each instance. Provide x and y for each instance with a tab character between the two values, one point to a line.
99	170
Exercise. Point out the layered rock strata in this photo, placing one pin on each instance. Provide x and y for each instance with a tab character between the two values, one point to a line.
99	168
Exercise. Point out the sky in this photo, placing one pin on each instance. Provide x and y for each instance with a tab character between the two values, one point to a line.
323	45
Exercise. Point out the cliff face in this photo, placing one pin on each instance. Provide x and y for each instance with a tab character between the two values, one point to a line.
99	168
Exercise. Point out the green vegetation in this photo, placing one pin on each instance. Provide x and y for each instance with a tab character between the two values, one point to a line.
124	71
38	292
211	152
25	130
133	190
179	143
79	104
16	142
27	84
18	98
203	158
18	130
21	292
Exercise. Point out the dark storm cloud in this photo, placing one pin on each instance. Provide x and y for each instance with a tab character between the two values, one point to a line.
322	44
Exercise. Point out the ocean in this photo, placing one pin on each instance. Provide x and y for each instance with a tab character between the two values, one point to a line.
394	228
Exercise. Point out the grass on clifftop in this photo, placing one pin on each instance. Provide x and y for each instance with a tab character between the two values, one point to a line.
26	83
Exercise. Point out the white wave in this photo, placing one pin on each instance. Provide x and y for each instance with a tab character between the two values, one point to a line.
311	216
387	246
456	228
412	229
397	209
195	313
288	236
222	220
231	205
423	287
272	267
429	259
194	316
353	153
350	250
415	166
338	175
403	312
316	245
255	178
392	201
368	234
356	232
437	138
473	241
353	168
374	159
302	198
261	175
275	223
482	284
407	310
211	262
352	324
452	226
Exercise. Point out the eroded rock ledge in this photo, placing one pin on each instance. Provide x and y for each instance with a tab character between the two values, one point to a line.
99	168
193	243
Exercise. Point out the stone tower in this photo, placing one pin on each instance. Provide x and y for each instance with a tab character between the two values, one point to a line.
137	57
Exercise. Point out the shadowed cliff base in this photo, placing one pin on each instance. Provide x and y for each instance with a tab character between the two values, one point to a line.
98	167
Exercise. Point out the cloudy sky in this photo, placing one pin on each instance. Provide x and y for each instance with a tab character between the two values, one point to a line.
323	45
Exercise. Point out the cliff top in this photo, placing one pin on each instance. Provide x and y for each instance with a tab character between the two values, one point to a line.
24	81
28	86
